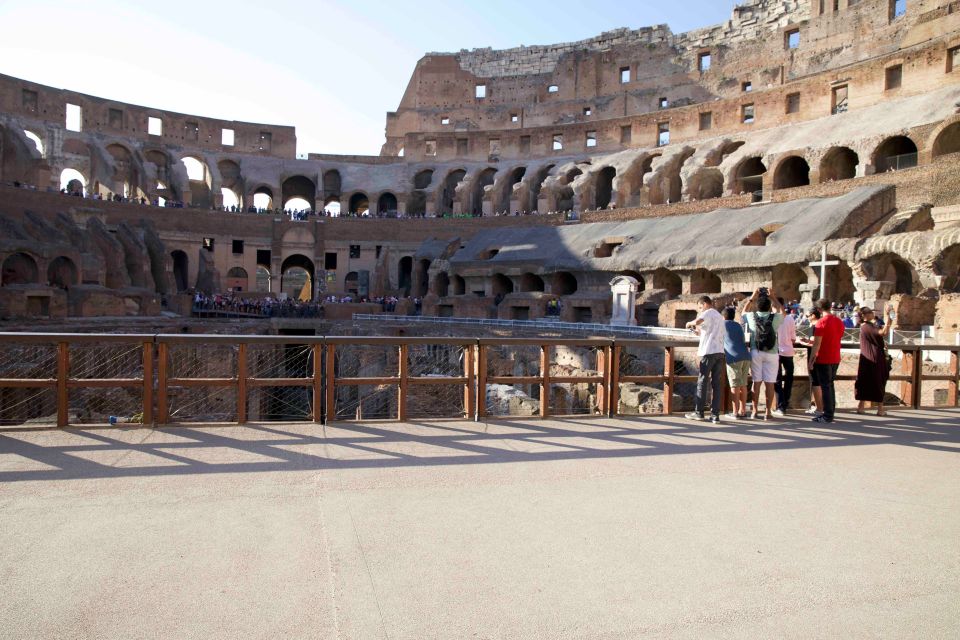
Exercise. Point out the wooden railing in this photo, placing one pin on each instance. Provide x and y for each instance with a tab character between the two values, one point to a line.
148	377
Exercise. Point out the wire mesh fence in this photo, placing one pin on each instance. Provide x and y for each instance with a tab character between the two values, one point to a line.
366	401
279	403
28	405
202	403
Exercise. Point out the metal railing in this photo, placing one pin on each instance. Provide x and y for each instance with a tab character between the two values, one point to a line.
74	379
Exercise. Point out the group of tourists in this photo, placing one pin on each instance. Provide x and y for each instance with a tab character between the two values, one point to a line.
762	346
264	307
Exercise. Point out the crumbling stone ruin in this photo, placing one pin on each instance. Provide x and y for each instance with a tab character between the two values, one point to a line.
703	162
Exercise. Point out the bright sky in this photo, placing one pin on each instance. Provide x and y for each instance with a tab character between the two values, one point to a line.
331	68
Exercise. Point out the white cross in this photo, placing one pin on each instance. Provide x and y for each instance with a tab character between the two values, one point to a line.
823	264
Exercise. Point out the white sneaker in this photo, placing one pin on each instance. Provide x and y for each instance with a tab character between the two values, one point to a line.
732	416
693	415
812	411
776	413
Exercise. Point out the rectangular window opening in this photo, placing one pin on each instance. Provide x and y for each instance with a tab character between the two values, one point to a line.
746	112
839	100
664	103
238	246
591	139
953	59
115	118
480	92
893	77
74	117
553	89
354	251
154	126
626	134
793	103
191	131
29	99
793	39
703	62
330	261
706	121
463	147
558	142
663	134
624	75
208	244
524	144
227	137
514	117
588	111
493	153
430	147
746	87
444	120
897	8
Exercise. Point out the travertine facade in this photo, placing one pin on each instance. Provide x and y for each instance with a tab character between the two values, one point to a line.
785	102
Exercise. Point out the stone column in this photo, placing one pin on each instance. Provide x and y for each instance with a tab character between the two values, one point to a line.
873	293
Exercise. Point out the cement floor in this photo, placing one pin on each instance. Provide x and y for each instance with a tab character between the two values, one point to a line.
578	528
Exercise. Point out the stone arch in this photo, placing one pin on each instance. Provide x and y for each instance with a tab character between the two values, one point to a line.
422	277
514	177
359	204
641	281
458	285
20	268
351	283
62	272
448	194
890	267
792	171
666	185
263	197
563	283
73	181
199	180
264	281
667	280
704	281
632	180
566	196
839	163
484	179
441	284
758	238
530	282
386	203
237	279
947	265
299	187
405	275
947	140
716	159
786	280
747	177
230	175
37	141
297	276
705	184
422	179
604	187
181	270
536	185
501	285
894	153
332	184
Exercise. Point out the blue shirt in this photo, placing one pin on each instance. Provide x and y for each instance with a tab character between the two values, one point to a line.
735	344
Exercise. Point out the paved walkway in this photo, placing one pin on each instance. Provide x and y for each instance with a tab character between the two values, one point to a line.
560	529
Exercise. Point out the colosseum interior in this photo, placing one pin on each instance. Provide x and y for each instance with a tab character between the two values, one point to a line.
711	161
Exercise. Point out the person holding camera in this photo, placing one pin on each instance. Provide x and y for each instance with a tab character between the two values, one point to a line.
763	326
873	370
709	325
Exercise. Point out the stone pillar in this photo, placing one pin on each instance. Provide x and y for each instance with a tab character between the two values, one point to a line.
809	293
624	290
873	293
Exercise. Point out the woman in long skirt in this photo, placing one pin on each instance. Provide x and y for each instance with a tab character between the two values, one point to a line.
872	374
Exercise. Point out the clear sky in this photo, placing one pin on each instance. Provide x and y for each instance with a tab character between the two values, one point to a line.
331	68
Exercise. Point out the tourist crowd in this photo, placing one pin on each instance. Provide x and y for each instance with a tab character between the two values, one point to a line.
762	346
269	307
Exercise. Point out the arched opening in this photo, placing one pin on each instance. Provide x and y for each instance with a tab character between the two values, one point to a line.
237	279
387	204
73	181
563	283
297	205
759	237
263	199
331	206
948	141
501	285
901	274
331	185
893	154
515	177
458	286
441	284
20	268
62	273
359	204
198	176
748	177
536	185
181	265
417	203
668	281
300	189
196	169
641	281
704	281
264	282
405	276
423	179
296	277
792	172
786	280
423	278
839	163
605	187
531	282
448	194
716	159
351	284
566	195
480	183
667	188
35	139
230	198
947	265
706	184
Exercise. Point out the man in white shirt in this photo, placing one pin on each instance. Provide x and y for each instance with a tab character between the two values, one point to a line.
711	328
786	338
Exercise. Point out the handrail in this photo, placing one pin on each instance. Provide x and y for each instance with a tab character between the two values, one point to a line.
317	374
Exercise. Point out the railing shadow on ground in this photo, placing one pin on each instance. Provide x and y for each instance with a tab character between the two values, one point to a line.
43	454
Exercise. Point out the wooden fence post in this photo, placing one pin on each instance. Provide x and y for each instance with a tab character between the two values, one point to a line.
148	383
163	399
63	374
241	383
544	381
668	384
317	383
402	392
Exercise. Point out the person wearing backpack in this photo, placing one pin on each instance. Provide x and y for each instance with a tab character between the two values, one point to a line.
762	327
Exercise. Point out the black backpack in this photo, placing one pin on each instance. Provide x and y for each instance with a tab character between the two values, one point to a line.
766	336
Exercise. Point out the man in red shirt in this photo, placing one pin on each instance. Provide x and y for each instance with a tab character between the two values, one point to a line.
825	358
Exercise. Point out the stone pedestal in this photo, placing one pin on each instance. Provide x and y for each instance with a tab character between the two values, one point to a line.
624	290
873	294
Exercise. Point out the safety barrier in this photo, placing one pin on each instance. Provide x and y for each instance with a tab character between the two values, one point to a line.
71	379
